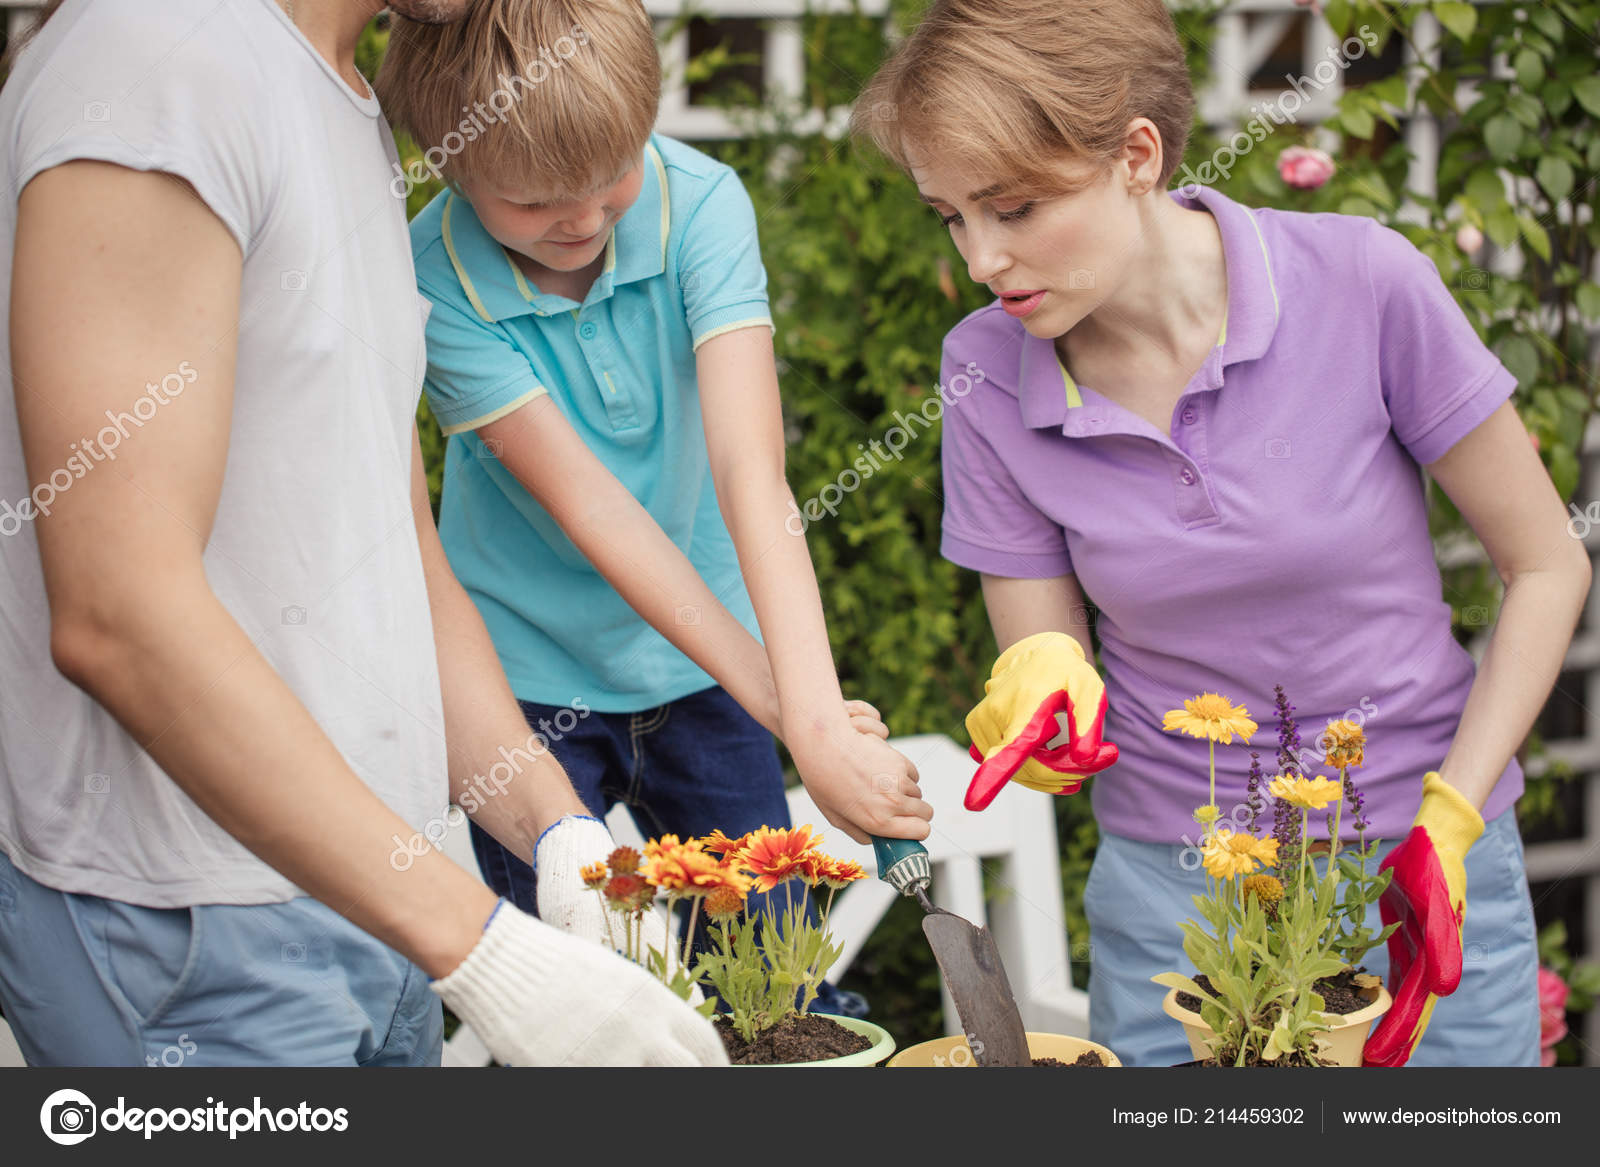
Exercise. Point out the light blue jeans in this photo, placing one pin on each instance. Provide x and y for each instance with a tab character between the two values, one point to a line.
1137	893
86	981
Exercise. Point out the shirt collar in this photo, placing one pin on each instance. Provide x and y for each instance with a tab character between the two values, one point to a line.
1047	392
496	287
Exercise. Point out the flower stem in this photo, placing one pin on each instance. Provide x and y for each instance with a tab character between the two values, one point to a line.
1211	748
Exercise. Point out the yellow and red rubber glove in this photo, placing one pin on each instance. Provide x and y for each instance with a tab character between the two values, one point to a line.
1033	681
1427	896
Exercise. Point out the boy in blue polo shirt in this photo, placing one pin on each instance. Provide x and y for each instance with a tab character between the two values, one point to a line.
600	355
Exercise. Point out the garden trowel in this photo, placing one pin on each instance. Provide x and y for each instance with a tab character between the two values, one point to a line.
967	957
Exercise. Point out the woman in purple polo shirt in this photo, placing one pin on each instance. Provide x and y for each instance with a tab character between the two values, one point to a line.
1208	421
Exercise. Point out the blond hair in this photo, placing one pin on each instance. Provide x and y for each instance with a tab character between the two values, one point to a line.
554	95
1012	88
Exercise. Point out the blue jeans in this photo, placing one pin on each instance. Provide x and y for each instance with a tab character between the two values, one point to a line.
687	768
87	981
1137	892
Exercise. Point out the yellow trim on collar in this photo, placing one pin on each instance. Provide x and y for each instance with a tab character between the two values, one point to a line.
666	204
1266	258
1074	397
455	261
1222	336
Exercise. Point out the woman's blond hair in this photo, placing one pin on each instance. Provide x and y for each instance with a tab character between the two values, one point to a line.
553	95
1012	88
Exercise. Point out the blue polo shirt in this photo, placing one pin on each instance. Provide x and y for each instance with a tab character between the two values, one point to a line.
682	265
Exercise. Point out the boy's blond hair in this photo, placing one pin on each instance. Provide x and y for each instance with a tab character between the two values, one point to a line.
1012	88
557	96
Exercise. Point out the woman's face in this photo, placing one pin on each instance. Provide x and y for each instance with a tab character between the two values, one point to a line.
1051	260
560	234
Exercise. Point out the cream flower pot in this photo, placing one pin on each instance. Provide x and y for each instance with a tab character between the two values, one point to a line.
1342	1042
954	1051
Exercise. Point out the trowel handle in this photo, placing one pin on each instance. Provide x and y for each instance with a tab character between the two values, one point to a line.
902	863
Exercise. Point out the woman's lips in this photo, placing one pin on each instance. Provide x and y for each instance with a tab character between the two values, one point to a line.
1021	303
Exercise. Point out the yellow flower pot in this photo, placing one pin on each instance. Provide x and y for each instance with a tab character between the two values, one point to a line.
954	1051
1342	1042
882	1046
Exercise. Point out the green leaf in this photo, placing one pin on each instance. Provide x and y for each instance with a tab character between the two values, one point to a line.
1546	21
1458	17
1485	188
1172	980
1555	175
1588	300
1538	238
1357	122
1503	135
1519	356
1587	91
1530	69
1556	95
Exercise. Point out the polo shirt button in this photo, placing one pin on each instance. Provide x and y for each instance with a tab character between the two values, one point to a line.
1189	416
1186	476
587	330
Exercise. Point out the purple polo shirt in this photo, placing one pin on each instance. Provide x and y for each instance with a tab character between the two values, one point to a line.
1276	532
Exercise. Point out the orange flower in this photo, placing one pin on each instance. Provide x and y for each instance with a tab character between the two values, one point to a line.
688	868
593	876
624	861
773	855
724	903
628	893
718	842
837	873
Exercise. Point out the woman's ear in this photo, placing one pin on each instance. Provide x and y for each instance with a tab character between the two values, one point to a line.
1142	153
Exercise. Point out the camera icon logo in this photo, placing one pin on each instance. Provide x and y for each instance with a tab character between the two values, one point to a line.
1080	278
689	280
1475	616
294	953
292	281
1278	448
885	111
97	111
294	614
687	614
1473	278
492	448
97	783
68	1117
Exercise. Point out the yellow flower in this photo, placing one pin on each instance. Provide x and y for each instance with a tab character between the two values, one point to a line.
1267	889
1310	793
721	844
1231	853
593	876
1346	743
683	867
723	903
1210	715
1207	814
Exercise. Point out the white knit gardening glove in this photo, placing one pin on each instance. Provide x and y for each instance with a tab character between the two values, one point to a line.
574	843
539	997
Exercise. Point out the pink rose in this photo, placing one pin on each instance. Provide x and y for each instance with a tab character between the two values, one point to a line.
1552	1014
1469	239
1304	167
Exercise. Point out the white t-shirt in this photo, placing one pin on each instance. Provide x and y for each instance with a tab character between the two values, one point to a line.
313	551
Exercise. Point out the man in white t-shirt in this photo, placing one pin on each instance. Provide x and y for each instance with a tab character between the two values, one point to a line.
241	685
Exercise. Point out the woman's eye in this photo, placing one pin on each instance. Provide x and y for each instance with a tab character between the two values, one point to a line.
947	220
1013	215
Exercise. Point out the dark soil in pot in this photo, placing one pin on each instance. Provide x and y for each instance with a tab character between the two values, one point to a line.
806	1037
1340	992
1088	1057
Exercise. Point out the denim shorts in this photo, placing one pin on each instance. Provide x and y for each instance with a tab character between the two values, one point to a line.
686	768
1137	892
86	981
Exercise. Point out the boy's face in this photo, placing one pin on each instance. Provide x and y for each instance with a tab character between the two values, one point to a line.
1052	261
562	234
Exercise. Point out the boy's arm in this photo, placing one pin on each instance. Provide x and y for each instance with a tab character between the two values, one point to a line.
134	621
483	723
860	783
629	548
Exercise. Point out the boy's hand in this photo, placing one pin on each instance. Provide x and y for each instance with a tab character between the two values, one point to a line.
865	718
862	785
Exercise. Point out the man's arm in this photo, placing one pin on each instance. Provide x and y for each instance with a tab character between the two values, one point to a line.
136	261
1502	490
860	783
481	716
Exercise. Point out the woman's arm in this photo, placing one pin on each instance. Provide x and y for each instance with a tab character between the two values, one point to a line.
1502	490
1019	608
861	784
